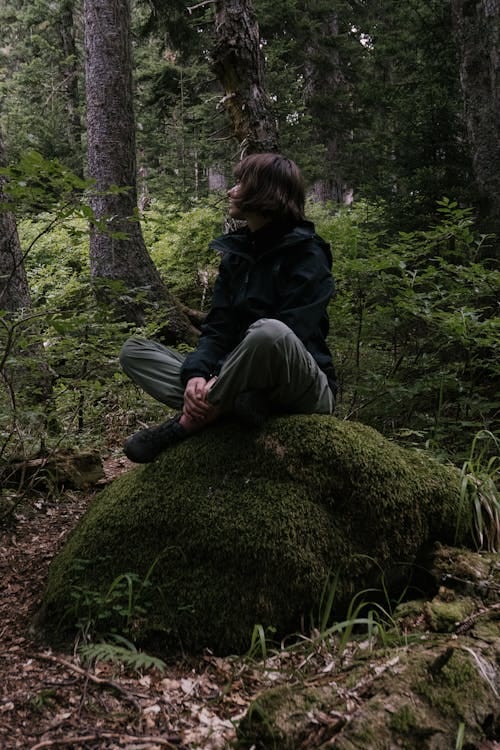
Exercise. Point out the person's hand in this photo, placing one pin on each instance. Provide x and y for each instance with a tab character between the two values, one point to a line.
196	406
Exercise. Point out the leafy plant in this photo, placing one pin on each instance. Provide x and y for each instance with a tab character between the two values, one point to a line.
108	621
327	599
180	250
45	698
118	650
479	491
118	610
414	325
369	614
259	642
459	743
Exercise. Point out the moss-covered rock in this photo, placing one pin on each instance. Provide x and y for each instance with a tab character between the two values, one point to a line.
418	698
425	693
245	527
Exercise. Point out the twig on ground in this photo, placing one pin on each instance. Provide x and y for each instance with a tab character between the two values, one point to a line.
468	623
92	678
76	739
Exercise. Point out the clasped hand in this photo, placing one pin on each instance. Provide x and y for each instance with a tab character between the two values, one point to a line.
196	405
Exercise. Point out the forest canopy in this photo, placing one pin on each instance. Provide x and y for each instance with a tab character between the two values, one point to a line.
382	106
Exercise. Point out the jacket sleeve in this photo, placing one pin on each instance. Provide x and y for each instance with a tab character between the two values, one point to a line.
305	285
218	333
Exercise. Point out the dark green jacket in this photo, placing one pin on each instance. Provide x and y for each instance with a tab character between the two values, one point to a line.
279	272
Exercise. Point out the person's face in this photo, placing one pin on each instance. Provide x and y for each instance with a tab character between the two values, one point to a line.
234	210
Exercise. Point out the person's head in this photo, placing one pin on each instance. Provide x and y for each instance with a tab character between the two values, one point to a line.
268	185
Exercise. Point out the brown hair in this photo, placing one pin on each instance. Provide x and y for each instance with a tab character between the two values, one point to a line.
271	185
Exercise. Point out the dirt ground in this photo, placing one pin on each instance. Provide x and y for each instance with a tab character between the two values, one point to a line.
50	699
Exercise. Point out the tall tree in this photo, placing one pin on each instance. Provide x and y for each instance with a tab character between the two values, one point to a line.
238	62
41	56
409	147
30	374
117	250
14	290
477	28
70	65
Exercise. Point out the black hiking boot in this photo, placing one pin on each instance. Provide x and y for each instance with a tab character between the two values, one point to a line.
146	445
252	407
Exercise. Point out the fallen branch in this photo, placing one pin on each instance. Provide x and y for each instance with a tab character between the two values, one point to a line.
468	623
92	678
77	739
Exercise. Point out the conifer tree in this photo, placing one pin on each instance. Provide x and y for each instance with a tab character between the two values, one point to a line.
118	254
477	29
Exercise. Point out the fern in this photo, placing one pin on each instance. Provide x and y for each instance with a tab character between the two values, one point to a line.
125	654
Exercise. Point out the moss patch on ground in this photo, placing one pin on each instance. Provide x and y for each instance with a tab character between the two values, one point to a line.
415	698
239	527
422	694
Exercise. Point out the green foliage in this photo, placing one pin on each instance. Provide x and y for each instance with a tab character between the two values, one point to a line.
115	612
35	183
44	698
414	326
71	340
42	80
409	146
123	652
369	616
343	78
259	642
460	736
108	622
179	247
479	487
71	389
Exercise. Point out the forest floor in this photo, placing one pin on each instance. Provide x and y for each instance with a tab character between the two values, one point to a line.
50	699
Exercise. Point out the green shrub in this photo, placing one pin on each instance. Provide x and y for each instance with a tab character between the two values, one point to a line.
414	326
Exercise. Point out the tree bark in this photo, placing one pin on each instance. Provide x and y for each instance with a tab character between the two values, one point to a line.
238	63
477	31
117	249
31	374
14	290
66	31
326	84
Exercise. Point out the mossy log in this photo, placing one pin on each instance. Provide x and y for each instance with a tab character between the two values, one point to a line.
245	527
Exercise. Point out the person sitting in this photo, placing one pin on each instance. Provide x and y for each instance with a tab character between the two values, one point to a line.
262	348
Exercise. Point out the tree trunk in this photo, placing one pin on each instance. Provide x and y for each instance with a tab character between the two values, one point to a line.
30	373
325	84
117	249
14	290
238	62
66	32
477	30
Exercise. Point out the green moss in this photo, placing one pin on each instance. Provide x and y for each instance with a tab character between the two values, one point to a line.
409	698
444	616
404	720
245	527
282	718
456	688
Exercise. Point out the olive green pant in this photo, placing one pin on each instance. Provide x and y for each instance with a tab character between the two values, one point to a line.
270	357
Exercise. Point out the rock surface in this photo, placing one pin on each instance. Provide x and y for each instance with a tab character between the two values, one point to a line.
234	528
436	688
